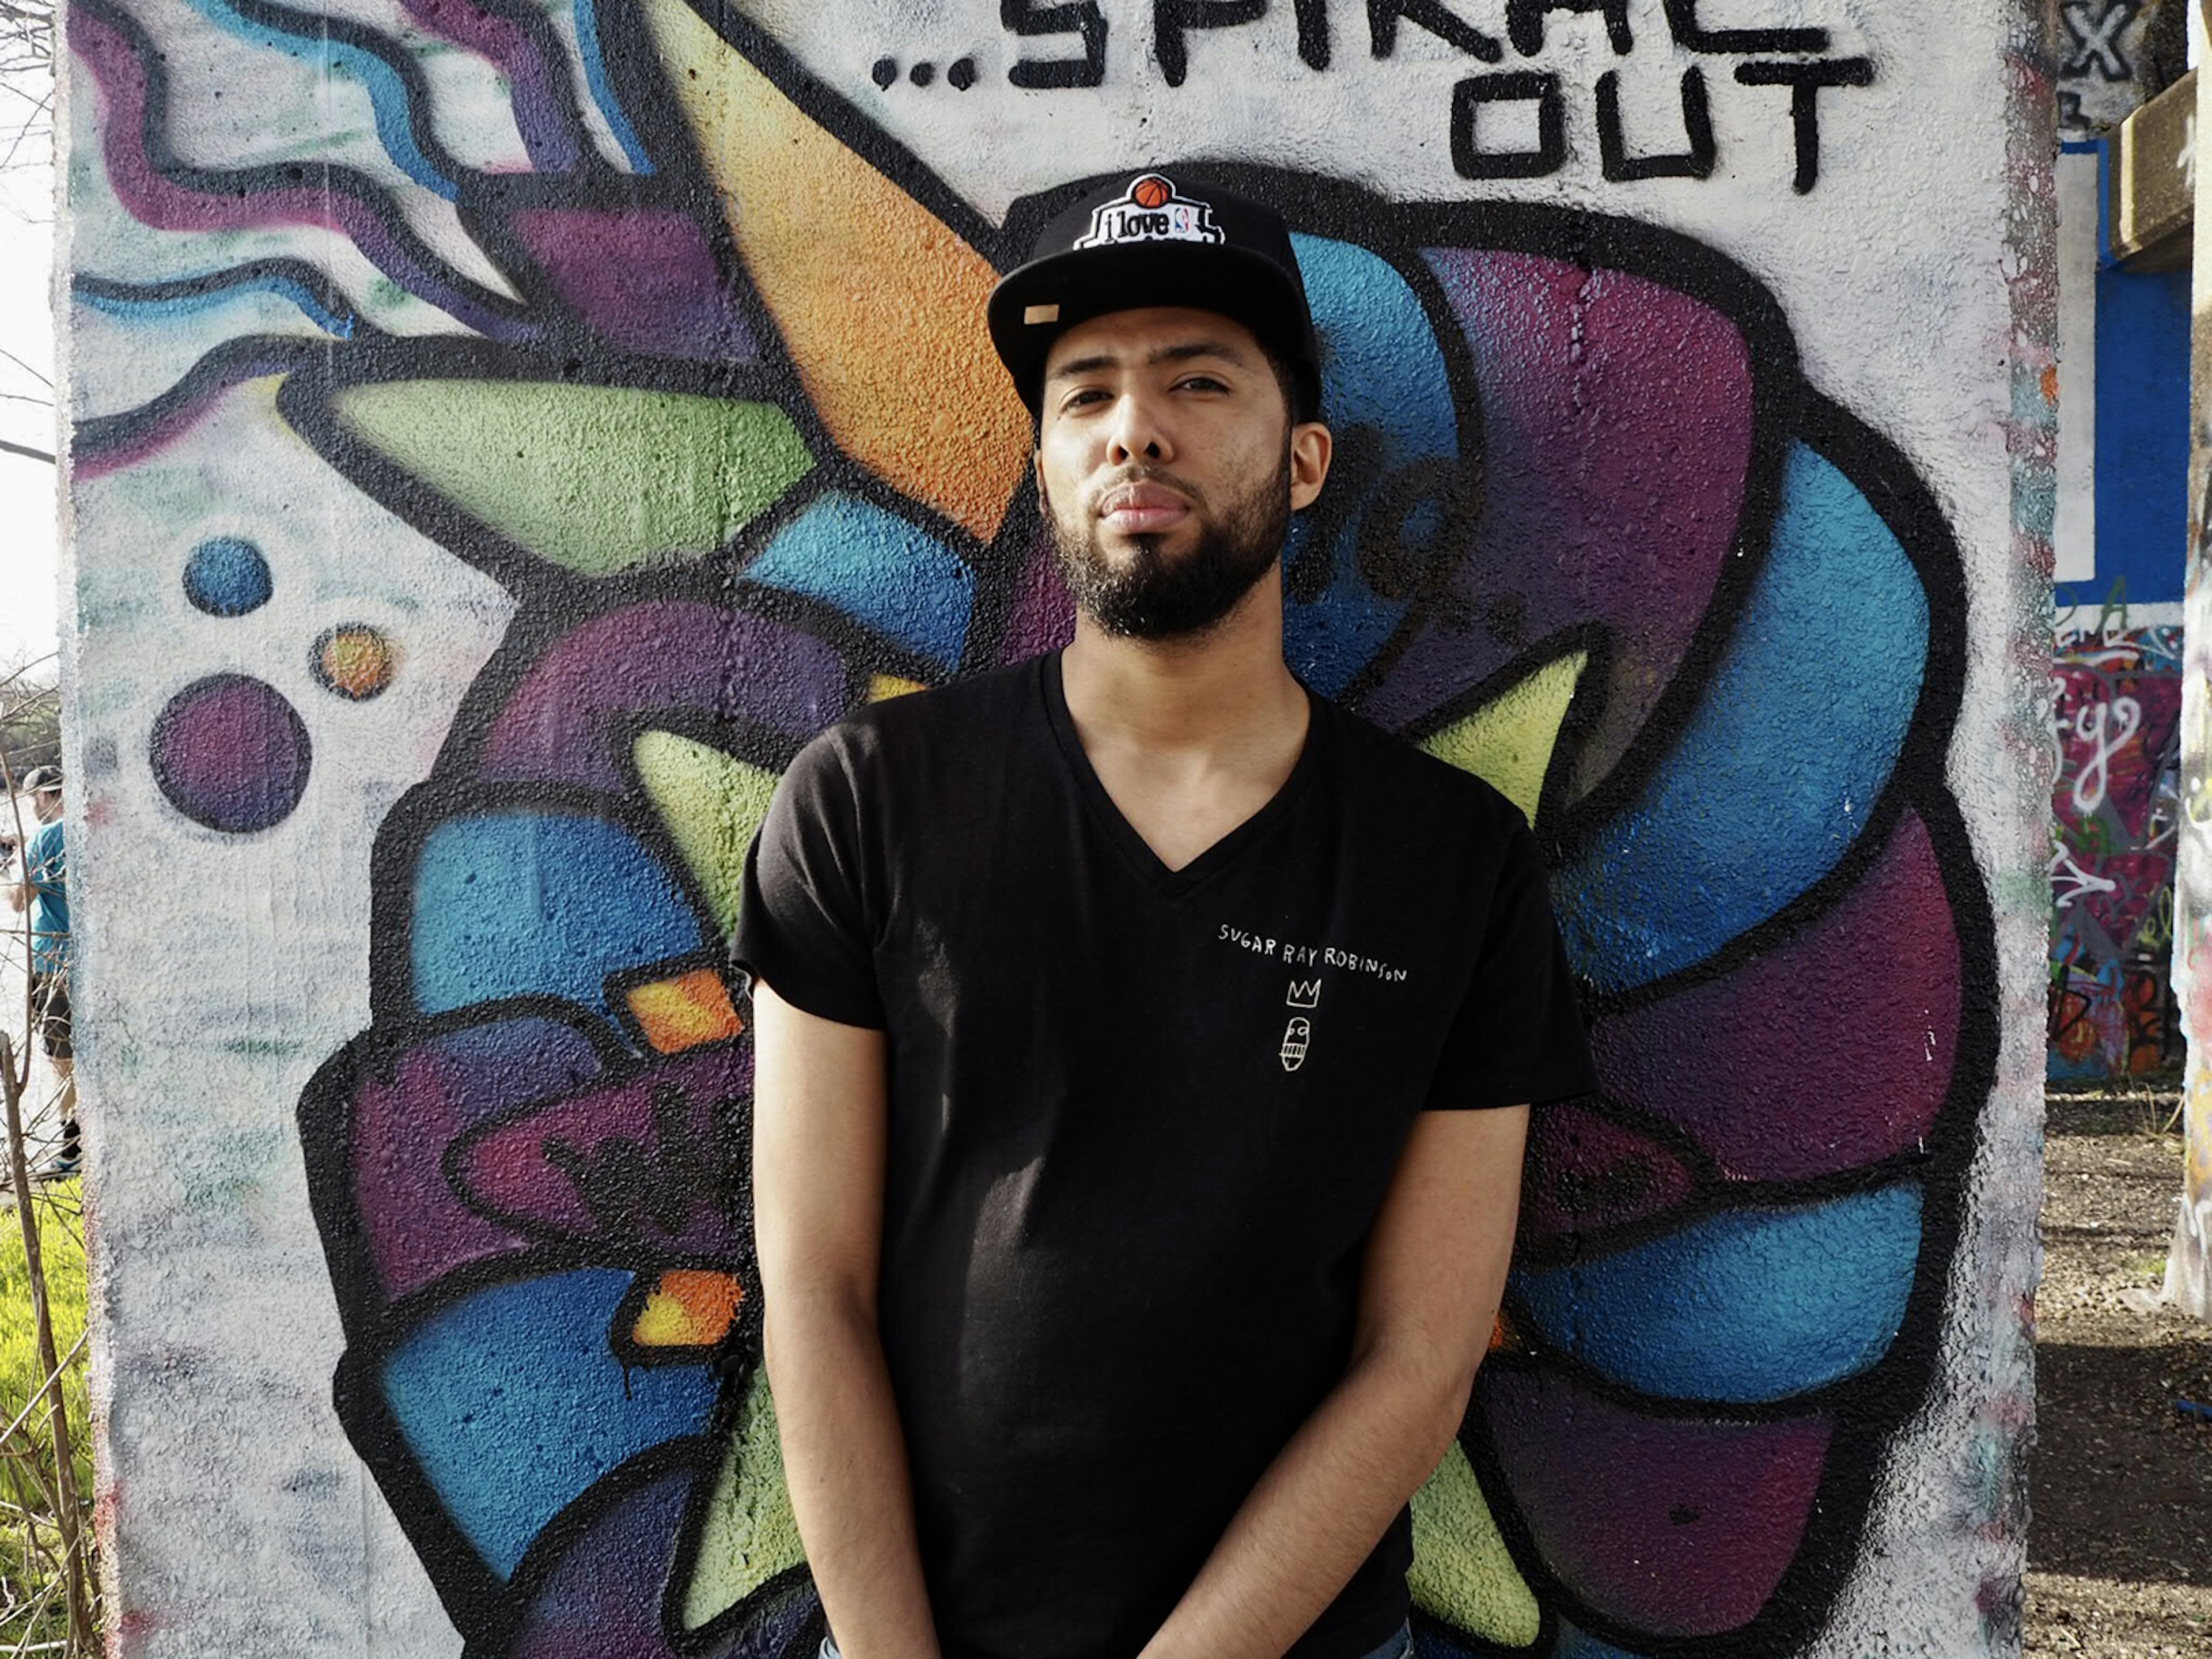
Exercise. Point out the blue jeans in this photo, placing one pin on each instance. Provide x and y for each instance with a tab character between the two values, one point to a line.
1399	1646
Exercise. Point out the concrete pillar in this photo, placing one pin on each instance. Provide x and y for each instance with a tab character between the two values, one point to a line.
503	438
2189	1261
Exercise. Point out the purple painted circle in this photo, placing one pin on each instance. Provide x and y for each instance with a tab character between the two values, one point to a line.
231	753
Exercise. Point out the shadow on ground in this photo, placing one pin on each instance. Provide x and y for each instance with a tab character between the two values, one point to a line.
2121	1480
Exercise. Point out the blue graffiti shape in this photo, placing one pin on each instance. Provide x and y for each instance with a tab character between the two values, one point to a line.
518	902
1779	770
884	571
1752	1307
515	1404
1386	397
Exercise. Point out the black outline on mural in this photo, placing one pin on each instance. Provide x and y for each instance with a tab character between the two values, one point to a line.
276	179
242	278
1868	1408
174	709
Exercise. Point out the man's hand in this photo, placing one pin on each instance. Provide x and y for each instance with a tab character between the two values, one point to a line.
818	1157
1434	1276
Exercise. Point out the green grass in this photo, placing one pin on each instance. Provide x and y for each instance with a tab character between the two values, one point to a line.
30	1538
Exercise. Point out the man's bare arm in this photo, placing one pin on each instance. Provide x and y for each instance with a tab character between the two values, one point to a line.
1434	1275
818	1155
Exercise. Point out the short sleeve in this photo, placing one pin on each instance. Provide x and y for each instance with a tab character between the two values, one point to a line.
803	920
1518	1035
43	864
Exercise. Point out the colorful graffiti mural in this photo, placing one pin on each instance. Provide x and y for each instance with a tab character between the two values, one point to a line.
2116	816
626	308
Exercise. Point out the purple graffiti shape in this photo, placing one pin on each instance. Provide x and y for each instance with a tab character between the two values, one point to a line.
564	723
545	109
1682	1527
1617	436
1862	1009
643	280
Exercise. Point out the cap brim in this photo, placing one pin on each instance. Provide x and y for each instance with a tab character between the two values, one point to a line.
1034	306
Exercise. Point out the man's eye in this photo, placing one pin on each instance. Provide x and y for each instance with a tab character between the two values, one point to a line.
1084	398
1200	383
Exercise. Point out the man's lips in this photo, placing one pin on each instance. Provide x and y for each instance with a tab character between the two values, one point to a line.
1136	509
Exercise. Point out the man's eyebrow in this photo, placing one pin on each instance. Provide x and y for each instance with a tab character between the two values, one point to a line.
1182	351
1190	349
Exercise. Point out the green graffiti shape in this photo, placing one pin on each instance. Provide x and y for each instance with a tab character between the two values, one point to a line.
711	805
1461	1573
597	480
749	1537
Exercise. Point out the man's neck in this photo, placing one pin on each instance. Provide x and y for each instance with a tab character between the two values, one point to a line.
1225	692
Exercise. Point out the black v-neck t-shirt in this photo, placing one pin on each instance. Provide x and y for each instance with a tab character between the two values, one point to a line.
1141	1120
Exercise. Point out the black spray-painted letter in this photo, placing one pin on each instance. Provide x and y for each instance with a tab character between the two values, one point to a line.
1171	19
1382	17
1682	19
1621	167
1473	161
1028	19
1524	22
1805	82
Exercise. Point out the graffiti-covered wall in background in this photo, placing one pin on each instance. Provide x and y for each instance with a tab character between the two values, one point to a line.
505	432
2118	702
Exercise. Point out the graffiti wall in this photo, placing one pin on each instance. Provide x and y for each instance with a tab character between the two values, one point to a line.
2115	817
506	431
2115	54
2188	1258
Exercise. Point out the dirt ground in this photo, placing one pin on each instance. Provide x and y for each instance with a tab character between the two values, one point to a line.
2120	1547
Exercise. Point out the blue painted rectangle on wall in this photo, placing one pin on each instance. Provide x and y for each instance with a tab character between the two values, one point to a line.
2143	440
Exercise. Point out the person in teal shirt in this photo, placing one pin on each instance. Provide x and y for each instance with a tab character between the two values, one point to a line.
43	890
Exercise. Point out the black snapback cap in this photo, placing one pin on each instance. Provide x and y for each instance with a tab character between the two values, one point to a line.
1142	241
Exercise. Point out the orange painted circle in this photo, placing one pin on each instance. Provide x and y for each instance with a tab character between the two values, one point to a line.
1151	192
354	661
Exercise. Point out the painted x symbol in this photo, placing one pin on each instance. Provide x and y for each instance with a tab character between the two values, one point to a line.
2097	37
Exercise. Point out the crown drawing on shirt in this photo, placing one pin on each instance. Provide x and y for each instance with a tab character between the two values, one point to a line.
1305	993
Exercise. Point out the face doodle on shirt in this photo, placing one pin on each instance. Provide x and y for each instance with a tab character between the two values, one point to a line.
1588	526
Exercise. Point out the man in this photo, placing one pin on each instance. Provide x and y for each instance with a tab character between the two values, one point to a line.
44	891
1128	1247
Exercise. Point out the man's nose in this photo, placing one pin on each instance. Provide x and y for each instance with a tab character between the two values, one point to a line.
1137	433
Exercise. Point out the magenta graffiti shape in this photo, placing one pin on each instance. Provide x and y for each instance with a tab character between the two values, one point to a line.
1617	419
1860	1013
1588	1173
416	1226
1040	615
231	753
647	1156
565	722
643	279
1681	1527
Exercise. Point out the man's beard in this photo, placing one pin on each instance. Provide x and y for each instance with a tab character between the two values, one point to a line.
1147	596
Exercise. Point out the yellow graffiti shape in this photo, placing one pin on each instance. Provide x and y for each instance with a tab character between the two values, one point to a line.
711	803
748	1536
685	1013
1508	741
1461	1571
690	1308
880	303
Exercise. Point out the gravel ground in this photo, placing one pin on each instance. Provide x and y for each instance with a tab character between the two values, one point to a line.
2120	1547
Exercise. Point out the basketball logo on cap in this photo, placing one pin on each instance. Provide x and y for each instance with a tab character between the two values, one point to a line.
1152	211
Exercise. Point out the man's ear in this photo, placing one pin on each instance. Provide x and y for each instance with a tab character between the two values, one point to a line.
1312	447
